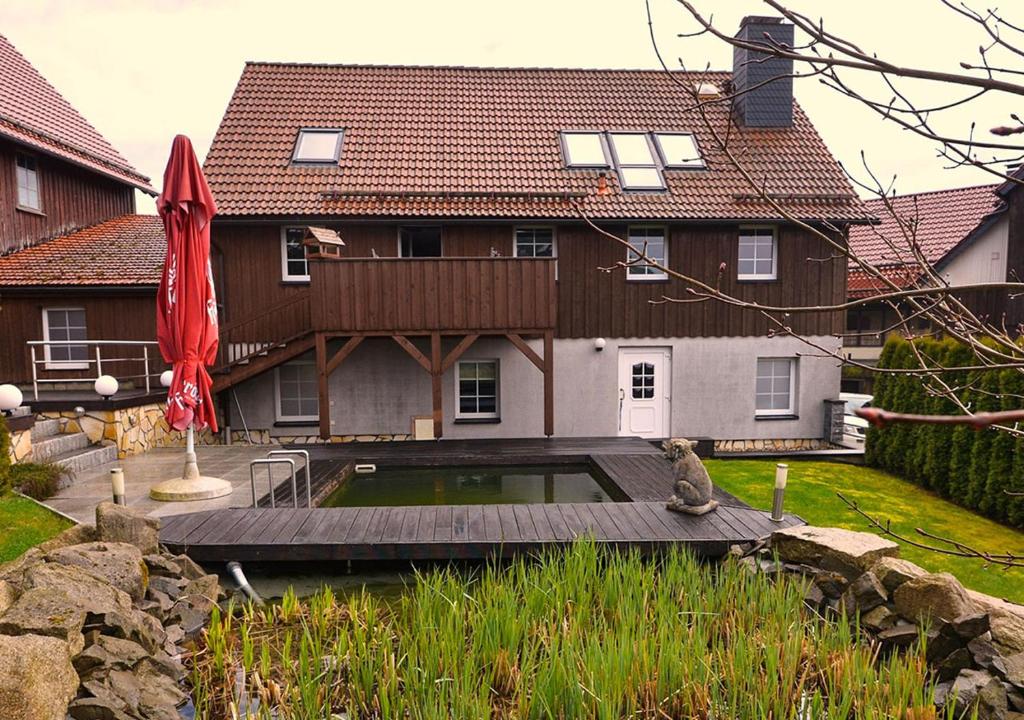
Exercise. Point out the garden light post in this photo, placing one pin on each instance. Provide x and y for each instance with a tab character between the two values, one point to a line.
781	475
10	399
117	486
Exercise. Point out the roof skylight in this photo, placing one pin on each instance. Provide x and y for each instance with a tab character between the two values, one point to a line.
679	150
584	149
637	167
317	145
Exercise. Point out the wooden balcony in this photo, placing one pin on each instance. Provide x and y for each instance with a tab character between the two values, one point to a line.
433	295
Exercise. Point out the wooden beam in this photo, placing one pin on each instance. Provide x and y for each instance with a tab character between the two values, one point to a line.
435	384
526	350
413	351
549	383
323	394
457	352
343	353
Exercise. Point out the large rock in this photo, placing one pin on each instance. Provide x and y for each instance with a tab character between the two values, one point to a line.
116	523
1007	629
893	572
37	680
74	535
938	596
1015	670
118	564
864	593
979	689
86	591
845	551
8	594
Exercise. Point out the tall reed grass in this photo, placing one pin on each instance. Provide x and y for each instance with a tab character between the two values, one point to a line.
582	633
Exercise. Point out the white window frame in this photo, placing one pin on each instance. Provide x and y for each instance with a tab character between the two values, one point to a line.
653	165
340	132
459	414
794	371
775	253
601	138
278	414
697	164
51	364
285	275
650	274
38	207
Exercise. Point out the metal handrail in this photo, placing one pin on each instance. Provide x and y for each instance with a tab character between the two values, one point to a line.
270	462
97	359
304	454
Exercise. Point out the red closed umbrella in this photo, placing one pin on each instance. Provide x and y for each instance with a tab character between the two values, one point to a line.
186	321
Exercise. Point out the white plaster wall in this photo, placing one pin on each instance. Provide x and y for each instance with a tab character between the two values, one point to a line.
984	260
379	388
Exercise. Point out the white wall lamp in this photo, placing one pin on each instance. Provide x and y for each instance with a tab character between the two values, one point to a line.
10	399
599	344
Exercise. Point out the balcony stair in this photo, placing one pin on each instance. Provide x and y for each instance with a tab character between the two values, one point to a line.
52	442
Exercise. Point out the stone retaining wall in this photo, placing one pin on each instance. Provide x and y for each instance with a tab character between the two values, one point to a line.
21	445
725	447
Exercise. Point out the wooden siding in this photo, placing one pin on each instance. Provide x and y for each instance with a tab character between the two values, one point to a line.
71	198
109	316
442	294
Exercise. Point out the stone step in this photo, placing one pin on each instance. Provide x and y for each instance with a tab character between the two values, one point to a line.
51	447
45	429
83	459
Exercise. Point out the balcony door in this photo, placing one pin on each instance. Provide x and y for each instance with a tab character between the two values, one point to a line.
645	390
419	241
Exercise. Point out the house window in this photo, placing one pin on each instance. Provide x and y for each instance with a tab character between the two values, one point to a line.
635	162
317	145
643	380
294	266
775	386
757	256
60	327
584	149
478	389
297	398
679	150
535	242
28	182
649	242
414	242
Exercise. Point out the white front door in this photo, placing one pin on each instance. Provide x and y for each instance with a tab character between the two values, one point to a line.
645	389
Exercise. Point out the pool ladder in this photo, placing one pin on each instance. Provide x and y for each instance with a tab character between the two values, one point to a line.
280	457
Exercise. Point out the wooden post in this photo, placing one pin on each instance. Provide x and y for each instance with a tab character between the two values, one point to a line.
435	383
549	383
323	394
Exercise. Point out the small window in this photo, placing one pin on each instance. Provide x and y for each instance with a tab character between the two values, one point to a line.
584	149
649	242
418	242
643	380
775	386
297	391
317	146
62	326
28	182
757	253
679	150
478	389
635	161
294	266
535	242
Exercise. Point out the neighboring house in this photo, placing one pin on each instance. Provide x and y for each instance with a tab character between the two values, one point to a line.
468	297
963	233
76	262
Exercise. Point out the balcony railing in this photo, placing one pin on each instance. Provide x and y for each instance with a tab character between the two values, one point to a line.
403	295
66	362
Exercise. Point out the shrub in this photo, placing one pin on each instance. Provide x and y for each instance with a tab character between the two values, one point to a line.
5	457
37	480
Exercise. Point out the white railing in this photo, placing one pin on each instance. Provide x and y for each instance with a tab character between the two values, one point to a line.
90	364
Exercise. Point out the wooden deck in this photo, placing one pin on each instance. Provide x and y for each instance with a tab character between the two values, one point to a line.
468	531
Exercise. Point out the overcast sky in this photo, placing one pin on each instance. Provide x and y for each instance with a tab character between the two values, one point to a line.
144	71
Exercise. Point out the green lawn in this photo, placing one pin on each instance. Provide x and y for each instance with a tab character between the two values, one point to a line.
811	493
24	523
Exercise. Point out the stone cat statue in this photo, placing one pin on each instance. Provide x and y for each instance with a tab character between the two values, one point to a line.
692	482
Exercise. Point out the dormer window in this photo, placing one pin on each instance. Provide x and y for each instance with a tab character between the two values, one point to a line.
679	150
317	145
584	149
28	182
634	158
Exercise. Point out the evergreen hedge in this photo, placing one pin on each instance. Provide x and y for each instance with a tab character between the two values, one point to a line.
971	467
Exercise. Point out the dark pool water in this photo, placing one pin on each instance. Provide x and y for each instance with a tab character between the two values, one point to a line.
498	484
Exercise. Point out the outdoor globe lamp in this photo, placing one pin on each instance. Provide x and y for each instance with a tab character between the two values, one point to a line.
106	386
166	377
10	399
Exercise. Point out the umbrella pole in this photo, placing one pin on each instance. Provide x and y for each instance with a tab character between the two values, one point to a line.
191	471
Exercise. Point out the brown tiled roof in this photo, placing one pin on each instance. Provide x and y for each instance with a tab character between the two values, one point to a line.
860	284
484	142
127	250
938	221
32	112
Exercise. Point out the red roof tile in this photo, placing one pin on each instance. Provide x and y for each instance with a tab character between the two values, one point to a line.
936	220
34	113
127	250
860	284
484	142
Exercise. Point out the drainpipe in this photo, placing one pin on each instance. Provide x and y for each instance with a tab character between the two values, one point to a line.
235	569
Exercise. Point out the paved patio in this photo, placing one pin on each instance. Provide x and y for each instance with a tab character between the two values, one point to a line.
142	471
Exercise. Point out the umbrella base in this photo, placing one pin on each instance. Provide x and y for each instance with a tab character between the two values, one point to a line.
183	490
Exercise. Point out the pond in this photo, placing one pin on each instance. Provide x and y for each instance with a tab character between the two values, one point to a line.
483	485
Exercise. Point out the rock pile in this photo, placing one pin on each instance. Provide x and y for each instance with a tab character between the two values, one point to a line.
93	623
973	643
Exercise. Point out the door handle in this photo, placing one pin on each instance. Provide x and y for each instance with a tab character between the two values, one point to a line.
622	398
